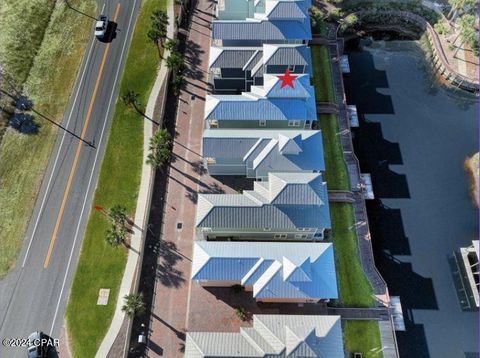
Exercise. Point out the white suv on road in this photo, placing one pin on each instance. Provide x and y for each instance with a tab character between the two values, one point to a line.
101	26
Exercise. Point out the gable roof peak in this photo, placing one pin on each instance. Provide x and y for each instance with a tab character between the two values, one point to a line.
290	145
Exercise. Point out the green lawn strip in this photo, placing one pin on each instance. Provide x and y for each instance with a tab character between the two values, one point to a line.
363	337
336	169
100	265
51	74
355	290
322	75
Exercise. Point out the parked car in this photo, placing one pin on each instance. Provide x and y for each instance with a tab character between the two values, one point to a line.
36	348
101	26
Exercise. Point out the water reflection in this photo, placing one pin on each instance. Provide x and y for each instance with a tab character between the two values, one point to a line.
413	137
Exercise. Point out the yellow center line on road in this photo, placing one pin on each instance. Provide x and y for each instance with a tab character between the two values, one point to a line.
77	153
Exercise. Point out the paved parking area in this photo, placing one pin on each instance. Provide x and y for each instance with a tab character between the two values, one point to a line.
214	308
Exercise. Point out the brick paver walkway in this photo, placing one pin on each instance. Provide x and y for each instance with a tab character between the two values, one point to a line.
185	180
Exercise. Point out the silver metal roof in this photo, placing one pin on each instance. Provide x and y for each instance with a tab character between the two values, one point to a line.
293	336
261	30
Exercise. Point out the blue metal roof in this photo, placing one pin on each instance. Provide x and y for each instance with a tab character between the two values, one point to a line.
275	270
261	109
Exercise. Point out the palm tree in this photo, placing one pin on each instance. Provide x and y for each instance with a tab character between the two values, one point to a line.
175	62
118	215
468	33
158	27
160	148
115	236
134	304
177	81
455	6
130	98
460	7
171	44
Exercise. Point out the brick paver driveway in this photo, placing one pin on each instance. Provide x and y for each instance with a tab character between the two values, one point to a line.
186	179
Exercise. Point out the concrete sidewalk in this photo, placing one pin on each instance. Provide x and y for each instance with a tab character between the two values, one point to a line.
143	205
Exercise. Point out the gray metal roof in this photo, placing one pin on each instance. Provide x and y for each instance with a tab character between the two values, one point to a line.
293	336
231	57
254	58
292	201
291	271
291	10
268	151
261	30
294	55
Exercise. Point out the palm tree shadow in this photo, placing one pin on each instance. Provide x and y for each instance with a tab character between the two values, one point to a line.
167	274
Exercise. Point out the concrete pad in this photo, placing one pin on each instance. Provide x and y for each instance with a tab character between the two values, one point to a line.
103	295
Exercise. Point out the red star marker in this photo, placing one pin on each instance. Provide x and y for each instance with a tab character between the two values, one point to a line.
287	79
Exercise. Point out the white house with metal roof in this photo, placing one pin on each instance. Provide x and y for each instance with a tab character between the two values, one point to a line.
272	271
293	336
268	106
255	153
254	22
235	69
289	206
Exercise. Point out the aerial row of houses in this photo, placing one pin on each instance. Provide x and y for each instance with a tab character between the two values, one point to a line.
258	124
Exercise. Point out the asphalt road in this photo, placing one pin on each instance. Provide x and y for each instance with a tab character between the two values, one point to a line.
34	295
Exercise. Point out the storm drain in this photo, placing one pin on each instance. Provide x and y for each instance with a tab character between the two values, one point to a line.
179	226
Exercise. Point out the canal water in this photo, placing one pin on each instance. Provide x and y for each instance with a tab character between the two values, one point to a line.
413	138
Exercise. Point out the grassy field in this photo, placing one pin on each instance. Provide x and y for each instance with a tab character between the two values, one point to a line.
355	290
363	337
100	265
23	24
322	76
55	38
